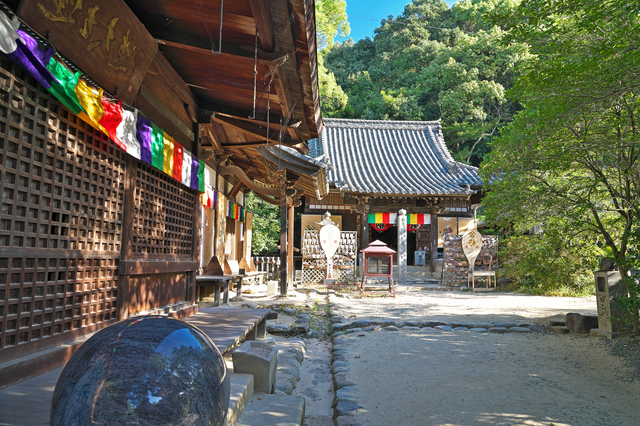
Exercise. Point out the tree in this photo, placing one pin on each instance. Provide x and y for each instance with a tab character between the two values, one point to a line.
573	153
433	63
265	226
331	22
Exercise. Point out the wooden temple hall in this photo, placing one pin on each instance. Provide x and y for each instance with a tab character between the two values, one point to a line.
130	132
378	168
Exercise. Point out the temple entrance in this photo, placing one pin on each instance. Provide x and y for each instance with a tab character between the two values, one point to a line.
390	238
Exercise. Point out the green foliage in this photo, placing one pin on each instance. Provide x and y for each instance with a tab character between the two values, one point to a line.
573	153
433	63
331	22
629	321
265	226
549	264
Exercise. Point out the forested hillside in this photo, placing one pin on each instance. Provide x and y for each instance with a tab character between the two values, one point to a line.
432	62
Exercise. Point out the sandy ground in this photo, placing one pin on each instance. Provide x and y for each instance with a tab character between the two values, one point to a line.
412	303
465	378
430	377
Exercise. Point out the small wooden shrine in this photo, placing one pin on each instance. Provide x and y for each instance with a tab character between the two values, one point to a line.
378	263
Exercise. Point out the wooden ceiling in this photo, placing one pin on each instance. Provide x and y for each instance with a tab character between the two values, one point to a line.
236	106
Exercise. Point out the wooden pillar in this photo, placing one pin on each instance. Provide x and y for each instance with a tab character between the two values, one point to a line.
434	243
196	238
283	243
290	262
127	238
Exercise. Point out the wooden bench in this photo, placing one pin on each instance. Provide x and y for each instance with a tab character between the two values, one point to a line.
214	281
217	283
252	276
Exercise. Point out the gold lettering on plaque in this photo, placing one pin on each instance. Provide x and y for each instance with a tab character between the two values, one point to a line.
125	53
126	49
87	29
58	15
110	35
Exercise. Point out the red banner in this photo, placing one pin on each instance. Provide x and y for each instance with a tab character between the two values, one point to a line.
380	227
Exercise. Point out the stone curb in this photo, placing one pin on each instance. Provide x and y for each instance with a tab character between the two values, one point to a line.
500	327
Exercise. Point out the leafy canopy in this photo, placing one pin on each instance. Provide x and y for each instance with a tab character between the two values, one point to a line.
430	63
573	154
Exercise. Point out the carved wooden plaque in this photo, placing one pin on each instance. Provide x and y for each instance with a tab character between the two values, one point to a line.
102	37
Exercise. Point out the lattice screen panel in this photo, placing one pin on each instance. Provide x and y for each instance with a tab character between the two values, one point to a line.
62	186
163	216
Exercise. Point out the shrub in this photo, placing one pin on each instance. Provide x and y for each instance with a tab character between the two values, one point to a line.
549	264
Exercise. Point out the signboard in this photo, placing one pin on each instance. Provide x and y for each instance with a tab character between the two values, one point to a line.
329	237
446	225
419	258
471	245
102	37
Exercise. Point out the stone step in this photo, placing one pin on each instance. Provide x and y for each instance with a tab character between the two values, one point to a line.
241	391
273	410
557	321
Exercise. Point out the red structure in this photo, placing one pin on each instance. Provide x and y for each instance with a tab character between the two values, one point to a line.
378	262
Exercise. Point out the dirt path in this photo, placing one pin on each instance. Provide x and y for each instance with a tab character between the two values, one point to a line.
432	377
465	378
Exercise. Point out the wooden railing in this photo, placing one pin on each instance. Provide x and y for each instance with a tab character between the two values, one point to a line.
268	264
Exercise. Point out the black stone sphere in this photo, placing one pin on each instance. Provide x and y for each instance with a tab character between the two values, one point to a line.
143	371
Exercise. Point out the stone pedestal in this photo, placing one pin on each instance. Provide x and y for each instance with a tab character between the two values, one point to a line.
260	360
608	285
272	287
402	246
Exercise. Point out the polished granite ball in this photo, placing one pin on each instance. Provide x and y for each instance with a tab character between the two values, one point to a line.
145	371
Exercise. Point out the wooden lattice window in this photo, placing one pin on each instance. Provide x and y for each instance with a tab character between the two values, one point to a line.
62	186
163	215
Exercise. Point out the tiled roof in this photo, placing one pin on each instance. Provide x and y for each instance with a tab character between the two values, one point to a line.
391	157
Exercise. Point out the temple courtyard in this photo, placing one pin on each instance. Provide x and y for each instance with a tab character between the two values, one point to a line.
392	364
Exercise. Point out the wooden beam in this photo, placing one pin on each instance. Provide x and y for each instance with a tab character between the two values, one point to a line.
203	47
264	23
162	108
284	95
208	133
433	262
290	264
249	129
136	267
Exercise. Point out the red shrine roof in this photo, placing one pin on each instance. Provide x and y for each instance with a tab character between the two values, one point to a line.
378	247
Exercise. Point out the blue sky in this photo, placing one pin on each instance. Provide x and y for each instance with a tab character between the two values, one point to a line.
374	11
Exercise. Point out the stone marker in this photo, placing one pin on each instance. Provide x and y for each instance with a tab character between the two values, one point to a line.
577	323
260	360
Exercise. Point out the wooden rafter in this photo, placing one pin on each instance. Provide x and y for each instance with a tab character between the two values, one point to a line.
250	129
264	23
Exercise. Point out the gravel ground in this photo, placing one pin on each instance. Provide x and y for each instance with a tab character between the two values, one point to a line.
431	377
465	378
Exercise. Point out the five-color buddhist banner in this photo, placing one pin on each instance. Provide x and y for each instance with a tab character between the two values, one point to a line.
133	133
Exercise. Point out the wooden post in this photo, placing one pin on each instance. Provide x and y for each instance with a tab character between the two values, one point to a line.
283	243
433	264
127	238
196	242
290	263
